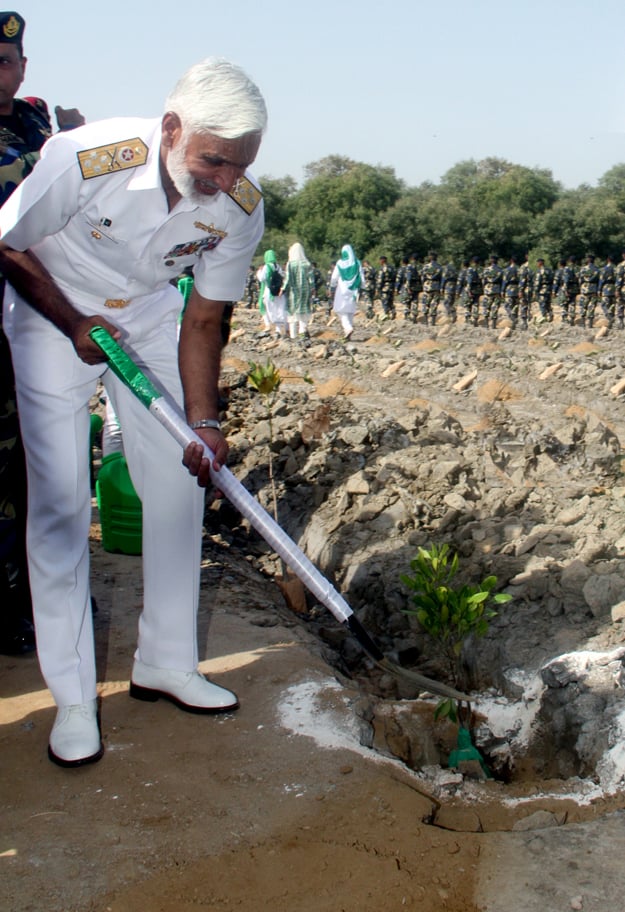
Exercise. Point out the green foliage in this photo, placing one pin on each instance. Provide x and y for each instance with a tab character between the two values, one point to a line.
447	613
447	709
278	197
340	204
479	207
264	378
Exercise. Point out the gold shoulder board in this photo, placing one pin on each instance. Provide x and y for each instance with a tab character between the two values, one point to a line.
246	195
129	153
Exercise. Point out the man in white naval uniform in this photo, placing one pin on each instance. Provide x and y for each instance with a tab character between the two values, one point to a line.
110	214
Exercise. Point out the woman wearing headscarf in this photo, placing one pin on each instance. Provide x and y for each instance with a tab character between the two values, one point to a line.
298	288
272	306
347	280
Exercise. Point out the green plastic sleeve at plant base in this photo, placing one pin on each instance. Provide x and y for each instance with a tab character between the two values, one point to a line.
124	367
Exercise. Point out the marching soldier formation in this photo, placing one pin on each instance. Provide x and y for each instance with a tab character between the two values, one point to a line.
575	294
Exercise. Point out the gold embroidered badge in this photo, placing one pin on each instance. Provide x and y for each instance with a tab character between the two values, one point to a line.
11	27
246	195
116	303
211	229
129	153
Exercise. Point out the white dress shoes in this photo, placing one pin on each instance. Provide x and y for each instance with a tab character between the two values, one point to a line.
189	690
75	737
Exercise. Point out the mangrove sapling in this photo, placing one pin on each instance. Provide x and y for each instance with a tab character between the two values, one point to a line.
266	380
447	613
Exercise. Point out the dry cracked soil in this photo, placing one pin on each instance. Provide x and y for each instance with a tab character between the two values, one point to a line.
278	806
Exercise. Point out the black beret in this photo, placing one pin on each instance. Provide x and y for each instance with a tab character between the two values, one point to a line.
12	28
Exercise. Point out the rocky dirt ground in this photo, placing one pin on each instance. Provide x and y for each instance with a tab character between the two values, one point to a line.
329	788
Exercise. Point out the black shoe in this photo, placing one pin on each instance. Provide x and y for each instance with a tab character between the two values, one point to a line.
17	637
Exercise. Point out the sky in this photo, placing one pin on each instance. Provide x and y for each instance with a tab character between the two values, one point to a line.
411	85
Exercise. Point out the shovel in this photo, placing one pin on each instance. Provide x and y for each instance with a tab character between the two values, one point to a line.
175	423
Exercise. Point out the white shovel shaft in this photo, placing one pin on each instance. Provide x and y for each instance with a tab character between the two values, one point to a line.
249	507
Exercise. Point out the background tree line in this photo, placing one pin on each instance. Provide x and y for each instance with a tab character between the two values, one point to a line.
478	208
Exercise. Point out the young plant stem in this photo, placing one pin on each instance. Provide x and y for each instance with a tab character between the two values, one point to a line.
272	481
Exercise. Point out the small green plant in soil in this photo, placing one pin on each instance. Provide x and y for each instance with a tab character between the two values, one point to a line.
265	378
450	614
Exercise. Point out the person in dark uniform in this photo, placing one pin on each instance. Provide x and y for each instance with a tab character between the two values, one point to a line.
474	291
491	278
386	287
24	127
431	276
607	290
510	291
588	286
526	280
317	283
368	289
543	283
414	287
448	291
251	289
620	292
400	280
462	292
570	282
557	289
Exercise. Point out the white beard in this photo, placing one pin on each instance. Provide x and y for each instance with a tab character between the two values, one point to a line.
183	180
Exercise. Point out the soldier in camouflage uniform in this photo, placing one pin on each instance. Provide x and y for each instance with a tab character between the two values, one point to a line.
589	290
510	291
386	287
414	287
620	293
317	281
24	127
251	288
448	291
474	291
526	281
543	284
368	288
570	284
462	294
607	290
400	280
431	276
557	289
329	295
491	279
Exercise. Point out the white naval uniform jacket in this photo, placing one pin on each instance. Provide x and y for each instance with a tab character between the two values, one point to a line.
111	237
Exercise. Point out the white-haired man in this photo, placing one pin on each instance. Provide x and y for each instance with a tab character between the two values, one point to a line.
110	214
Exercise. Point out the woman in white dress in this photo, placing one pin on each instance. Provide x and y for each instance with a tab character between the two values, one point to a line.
272	306
347	280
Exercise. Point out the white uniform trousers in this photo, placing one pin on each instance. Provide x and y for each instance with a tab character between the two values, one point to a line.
53	389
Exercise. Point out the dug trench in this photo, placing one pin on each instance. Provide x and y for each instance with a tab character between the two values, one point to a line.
507	448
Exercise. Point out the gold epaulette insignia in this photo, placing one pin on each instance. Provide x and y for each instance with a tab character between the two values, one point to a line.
129	153
246	195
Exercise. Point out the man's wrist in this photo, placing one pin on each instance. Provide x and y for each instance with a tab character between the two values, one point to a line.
205	423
